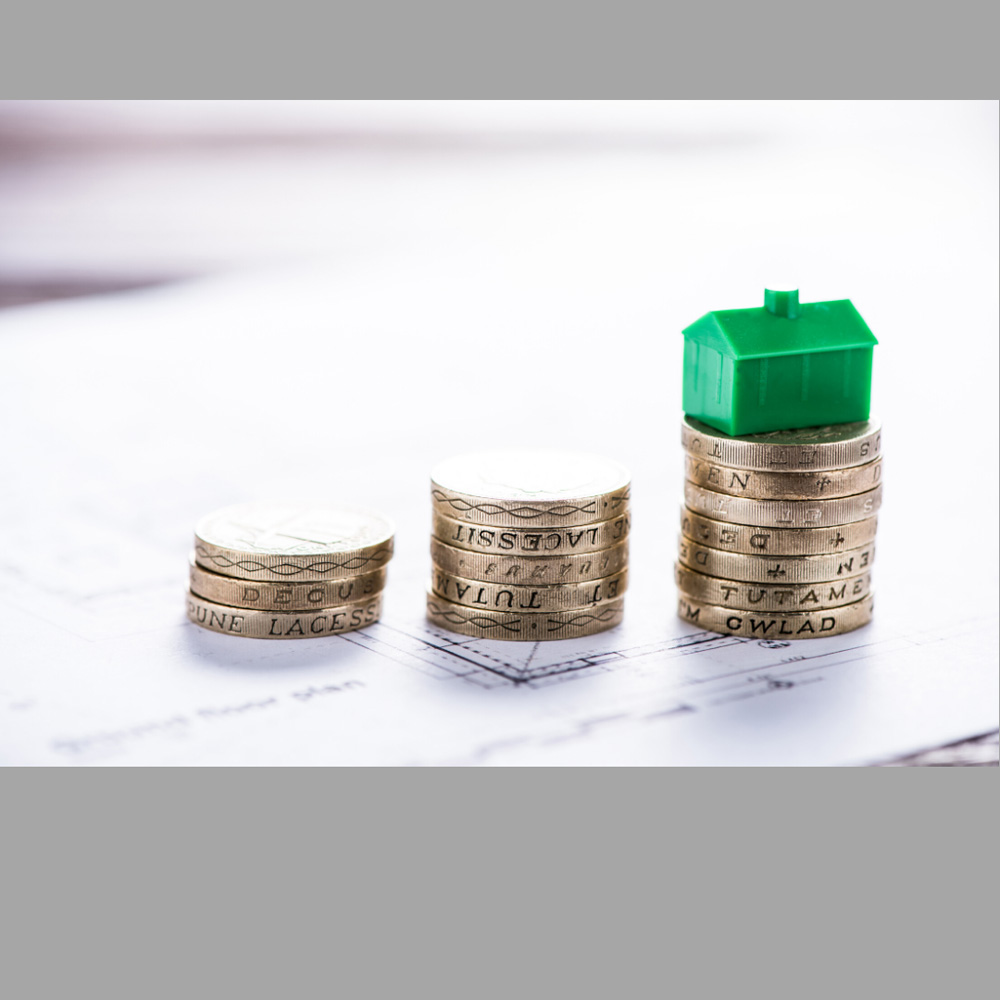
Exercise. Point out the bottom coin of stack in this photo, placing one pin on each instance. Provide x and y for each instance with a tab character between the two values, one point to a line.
778	530
528	545
287	571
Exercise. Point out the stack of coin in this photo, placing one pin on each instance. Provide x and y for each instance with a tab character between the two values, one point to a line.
528	545
778	530
288	571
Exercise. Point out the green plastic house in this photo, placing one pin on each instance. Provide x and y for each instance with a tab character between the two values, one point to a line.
778	367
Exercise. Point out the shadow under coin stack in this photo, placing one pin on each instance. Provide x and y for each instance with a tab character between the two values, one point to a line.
778	530
528	545
287	571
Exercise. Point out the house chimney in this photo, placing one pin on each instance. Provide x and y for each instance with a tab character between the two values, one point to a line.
782	303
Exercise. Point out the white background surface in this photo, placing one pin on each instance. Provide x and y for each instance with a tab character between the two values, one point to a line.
523	279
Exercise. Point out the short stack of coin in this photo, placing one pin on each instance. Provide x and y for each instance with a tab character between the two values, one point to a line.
288	571
528	545
778	530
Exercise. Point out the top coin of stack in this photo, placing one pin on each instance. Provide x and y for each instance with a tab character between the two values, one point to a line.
778	529
528	545
288	571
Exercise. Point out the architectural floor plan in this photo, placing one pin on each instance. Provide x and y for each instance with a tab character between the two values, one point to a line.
127	418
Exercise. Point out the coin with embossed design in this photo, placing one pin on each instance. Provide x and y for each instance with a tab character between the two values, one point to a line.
776	624
531	541
809	449
782	513
524	626
310	624
776	541
514	597
285	596
775	569
290	542
783	485
530	488
529	570
771	596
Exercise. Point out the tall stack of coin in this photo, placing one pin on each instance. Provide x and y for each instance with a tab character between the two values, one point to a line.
288	571
778	530
528	545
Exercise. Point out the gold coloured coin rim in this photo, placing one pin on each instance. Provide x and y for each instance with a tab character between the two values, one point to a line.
800	617
838	452
616	605
619	551
545	592
759	506
199	577
763	605
789	534
259	616
797	565
780	485
569	513
275	569
547	530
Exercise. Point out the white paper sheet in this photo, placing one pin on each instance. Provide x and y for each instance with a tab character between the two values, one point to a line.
127	418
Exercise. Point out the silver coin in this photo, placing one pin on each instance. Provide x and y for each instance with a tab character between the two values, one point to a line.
782	513
524	626
774	569
776	625
289	541
530	488
771	596
783	485
776	541
809	449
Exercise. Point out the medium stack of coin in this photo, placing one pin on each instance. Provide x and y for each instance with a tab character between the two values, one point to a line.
288	571
778	530
528	545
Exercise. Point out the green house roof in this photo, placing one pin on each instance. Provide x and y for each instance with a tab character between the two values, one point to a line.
782	326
